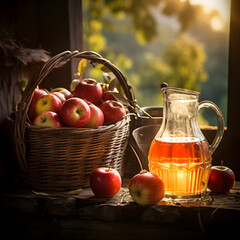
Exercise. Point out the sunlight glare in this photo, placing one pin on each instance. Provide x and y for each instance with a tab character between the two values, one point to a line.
222	6
217	24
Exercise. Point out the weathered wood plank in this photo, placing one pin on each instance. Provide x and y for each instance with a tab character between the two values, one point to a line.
80	215
84	204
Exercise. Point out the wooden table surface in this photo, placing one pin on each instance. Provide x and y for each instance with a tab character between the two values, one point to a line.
37	215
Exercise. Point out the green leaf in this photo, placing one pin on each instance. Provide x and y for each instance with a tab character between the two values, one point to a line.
113	83
106	78
73	84
75	192
100	66
81	67
103	68
23	83
107	74
121	98
120	88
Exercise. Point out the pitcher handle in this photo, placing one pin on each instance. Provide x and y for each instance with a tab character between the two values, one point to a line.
220	123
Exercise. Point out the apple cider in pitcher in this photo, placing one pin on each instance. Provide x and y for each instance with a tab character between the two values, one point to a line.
182	163
179	154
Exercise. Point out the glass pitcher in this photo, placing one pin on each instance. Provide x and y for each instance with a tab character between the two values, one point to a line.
179	154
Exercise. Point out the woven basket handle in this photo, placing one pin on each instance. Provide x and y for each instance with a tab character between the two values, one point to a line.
55	62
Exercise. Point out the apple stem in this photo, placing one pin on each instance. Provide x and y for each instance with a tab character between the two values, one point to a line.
143	171
221	163
109	169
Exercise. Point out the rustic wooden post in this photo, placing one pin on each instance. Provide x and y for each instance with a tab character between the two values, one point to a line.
55	26
16	63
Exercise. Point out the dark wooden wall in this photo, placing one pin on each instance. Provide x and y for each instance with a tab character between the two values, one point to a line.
54	26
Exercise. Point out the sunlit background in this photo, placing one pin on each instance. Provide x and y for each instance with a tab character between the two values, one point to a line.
221	20
181	42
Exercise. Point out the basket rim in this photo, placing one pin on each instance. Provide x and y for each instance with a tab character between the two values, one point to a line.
99	129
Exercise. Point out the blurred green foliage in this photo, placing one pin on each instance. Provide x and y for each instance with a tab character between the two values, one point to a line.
159	40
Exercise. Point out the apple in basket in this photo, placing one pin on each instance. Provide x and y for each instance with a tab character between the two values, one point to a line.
146	188
108	96
105	182
48	119
112	110
64	91
89	89
97	117
38	93
75	112
60	96
48	102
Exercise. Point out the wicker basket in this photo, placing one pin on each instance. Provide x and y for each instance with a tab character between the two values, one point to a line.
61	159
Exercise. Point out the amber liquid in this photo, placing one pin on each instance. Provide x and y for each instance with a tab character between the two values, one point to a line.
182	163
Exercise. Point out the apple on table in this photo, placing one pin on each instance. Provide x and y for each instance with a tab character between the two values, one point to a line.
221	179
146	188
105	182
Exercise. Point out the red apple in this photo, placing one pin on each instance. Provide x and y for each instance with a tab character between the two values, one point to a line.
112	110
89	89
48	102
221	179
75	112
48	119
105	182
60	96
146	188
97	117
108	96
38	93
64	91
